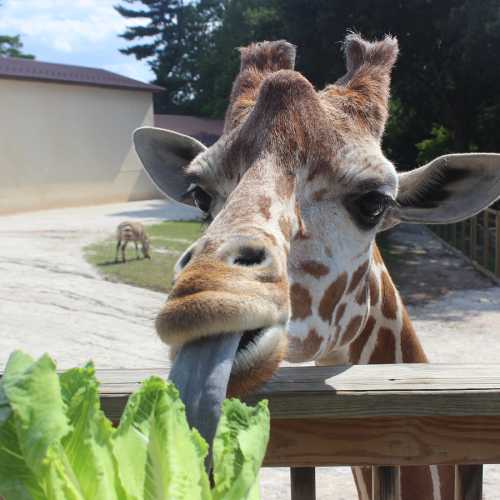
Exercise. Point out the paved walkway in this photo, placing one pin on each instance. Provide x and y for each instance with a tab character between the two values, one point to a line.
52	300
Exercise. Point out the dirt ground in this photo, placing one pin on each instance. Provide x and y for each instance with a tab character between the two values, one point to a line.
52	300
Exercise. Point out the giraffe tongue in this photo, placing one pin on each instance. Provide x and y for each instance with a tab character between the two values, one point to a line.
201	373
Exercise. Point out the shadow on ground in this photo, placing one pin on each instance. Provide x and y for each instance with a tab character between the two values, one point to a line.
423	268
157	209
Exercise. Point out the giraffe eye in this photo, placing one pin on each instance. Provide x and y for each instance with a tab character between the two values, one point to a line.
200	198
370	207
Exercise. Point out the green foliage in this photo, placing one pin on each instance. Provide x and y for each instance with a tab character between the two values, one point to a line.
57	444
11	46
175	38
447	73
440	143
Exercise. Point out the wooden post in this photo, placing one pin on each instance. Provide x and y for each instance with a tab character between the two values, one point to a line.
486	240
303	483
473	238
386	484
497	245
468	482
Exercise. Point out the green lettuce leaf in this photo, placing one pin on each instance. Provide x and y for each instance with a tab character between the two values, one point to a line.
32	424
88	446
159	456
239	449
57	444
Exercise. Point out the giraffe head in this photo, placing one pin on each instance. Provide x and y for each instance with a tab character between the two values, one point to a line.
296	190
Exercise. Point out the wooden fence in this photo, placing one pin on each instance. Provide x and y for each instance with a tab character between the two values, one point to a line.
478	238
384	416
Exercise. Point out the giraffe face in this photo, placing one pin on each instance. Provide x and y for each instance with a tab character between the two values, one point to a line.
296	189
290	239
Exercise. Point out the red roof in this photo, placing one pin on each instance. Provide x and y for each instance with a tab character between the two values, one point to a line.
29	69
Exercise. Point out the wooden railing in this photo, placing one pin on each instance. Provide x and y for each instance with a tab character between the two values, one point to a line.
384	416
478	238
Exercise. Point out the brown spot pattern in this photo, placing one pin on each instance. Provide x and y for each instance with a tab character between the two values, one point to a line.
311	344
301	301
264	203
352	329
377	258
374	294
389	300
318	195
362	294
332	297
314	268
410	345
285	185
357	345
340	312
356	277
285	226
385	348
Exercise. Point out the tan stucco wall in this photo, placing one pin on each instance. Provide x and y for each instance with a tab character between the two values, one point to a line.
63	145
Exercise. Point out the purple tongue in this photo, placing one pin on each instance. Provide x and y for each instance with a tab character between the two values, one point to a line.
201	373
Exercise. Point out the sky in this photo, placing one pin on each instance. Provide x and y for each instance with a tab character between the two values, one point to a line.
82	32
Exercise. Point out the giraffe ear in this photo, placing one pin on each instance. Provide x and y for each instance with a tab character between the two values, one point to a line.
448	189
164	155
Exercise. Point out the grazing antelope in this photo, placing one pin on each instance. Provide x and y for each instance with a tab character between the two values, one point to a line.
131	231
297	188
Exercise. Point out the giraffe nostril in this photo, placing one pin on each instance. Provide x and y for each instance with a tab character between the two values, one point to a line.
250	256
185	259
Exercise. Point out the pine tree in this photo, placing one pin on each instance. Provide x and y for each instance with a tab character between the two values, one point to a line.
10	46
172	41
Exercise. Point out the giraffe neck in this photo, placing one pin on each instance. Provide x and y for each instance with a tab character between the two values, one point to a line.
388	335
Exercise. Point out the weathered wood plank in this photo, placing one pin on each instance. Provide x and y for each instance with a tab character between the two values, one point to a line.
351	391
468	482
386	484
344	377
303	483
384	441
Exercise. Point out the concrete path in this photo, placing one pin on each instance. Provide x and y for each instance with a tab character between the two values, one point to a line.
52	301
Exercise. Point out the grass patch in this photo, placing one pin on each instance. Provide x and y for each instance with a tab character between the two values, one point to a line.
168	241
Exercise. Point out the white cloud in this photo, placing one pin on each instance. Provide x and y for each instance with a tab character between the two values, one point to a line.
74	32
62	25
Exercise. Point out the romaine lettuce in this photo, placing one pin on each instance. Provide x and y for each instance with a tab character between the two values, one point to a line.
57	444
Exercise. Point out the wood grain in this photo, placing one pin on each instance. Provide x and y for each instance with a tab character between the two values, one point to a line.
352	391
386	483
384	441
468	482
303	483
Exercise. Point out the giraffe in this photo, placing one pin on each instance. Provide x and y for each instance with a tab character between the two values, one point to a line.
295	191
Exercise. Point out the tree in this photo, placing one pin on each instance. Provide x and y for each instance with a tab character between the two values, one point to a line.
10	46
174	40
445	85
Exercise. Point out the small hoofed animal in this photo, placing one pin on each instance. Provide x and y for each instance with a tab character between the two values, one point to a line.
131	231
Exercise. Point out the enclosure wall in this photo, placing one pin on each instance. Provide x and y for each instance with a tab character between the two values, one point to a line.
66	145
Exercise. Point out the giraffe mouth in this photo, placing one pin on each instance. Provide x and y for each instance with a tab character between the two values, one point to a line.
209	369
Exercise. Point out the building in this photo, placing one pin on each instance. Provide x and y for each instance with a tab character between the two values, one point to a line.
207	131
65	136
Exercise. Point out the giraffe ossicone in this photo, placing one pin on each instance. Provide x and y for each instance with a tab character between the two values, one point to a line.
297	188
